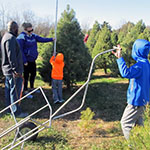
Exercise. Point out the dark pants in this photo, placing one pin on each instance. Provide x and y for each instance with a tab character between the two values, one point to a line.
12	92
29	72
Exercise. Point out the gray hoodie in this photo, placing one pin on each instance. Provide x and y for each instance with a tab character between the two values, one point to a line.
11	55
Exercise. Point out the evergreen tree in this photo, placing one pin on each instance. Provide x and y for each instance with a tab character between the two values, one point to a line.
114	38
112	64
70	43
45	52
129	40
145	35
106	24
103	43
124	30
93	37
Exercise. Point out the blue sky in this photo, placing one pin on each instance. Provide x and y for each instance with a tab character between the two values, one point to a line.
116	12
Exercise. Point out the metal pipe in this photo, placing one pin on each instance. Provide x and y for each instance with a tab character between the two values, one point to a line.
52	116
85	92
56	28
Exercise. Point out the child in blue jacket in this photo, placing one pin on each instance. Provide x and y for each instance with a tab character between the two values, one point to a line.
28	44
138	93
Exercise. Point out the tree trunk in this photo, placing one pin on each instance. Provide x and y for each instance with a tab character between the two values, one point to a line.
68	84
105	68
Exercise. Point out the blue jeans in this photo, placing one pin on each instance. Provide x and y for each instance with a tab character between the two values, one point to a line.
12	92
57	89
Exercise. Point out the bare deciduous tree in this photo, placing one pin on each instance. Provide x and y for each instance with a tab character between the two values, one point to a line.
43	26
2	17
29	16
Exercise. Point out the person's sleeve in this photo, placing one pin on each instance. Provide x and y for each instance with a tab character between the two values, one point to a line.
132	72
42	39
149	83
21	44
51	60
11	53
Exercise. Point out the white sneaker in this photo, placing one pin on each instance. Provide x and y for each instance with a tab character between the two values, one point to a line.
61	101
56	101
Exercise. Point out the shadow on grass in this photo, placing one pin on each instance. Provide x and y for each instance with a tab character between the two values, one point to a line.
107	100
112	132
56	139
101	76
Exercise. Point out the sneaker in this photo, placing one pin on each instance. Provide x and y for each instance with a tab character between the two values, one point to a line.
61	101
56	101
22	115
30	96
37	91
25	92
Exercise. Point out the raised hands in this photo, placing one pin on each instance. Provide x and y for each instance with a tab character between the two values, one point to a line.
118	51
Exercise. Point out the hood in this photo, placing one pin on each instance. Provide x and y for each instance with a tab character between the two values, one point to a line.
140	49
59	58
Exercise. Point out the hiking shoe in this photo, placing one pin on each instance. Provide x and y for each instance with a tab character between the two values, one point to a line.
30	96
56	101
37	91
22	115
25	92
61	101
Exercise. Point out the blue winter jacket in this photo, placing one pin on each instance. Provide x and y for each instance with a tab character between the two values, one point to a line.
138	93
28	45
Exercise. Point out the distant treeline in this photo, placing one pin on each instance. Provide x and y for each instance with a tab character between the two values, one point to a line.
102	37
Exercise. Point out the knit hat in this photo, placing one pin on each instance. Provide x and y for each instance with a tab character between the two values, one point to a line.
26	25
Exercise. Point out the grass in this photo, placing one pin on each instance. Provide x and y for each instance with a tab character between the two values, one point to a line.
106	98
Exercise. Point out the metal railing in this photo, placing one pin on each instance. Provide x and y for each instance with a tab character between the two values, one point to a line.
41	126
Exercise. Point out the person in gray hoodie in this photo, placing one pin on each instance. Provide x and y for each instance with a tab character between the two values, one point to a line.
12	67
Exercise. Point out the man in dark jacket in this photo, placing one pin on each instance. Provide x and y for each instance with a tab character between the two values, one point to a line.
12	67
